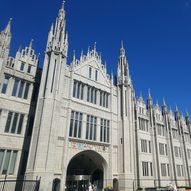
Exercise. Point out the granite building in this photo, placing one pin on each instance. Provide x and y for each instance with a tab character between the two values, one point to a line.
17	81
87	128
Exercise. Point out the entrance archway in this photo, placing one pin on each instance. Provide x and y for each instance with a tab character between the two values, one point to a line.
85	168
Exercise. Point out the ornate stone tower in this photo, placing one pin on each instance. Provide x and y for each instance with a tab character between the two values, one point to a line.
125	120
5	40
47	122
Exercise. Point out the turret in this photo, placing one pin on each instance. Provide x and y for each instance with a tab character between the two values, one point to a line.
58	37
164	107
5	40
177	113
122	69
149	100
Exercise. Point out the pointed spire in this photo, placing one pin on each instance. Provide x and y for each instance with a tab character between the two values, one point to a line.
100	57
52	28
177	113
19	49
122	50
61	11
187	114
31	42
8	27
157	103
122	44
164	107
81	57
176	109
111	78
163	102
73	59
187	118
149	94
95	48
74	55
149	100
63	3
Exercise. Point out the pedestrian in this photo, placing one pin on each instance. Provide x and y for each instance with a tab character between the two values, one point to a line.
90	187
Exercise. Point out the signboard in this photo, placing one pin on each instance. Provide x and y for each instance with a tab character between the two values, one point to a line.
87	146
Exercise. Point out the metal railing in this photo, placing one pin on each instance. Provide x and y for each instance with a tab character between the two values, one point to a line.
19	184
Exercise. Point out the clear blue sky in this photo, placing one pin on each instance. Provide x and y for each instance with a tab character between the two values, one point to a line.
156	34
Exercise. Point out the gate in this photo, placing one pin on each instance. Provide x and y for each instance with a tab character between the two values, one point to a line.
19	185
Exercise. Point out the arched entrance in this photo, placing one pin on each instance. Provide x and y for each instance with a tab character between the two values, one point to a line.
84	168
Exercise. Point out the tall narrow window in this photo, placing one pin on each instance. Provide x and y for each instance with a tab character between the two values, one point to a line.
1	158
145	168
95	96
151	168
90	72
5	85
104	130
15	87
80	125
88	94
78	90
143	145
92	95
21	88
8	123
161	149
12	162
101	93
149	146
76	124
91	127
6	162
14	125
26	90
108	131
107	100
71	123
163	169
103	99
96	75
29	69
22	66
82	92
19	130
74	88
168	169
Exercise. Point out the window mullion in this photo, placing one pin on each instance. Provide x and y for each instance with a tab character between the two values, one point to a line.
11	124
18	120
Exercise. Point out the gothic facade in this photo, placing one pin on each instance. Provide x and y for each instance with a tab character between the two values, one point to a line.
17	79
87	128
